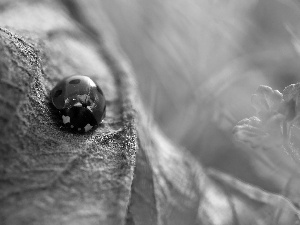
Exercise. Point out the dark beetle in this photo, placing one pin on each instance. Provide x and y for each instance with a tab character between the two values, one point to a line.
80	101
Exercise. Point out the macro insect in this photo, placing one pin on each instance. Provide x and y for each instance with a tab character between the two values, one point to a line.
80	102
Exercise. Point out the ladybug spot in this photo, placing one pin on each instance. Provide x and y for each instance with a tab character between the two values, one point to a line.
100	91
76	81
57	93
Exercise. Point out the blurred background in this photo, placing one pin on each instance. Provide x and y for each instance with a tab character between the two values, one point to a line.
198	62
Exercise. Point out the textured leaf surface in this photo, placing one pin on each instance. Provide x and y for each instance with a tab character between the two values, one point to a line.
49	175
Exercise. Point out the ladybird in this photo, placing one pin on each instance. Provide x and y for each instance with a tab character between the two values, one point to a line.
80	102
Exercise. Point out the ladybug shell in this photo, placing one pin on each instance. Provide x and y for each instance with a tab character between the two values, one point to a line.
80	100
